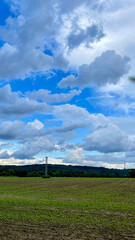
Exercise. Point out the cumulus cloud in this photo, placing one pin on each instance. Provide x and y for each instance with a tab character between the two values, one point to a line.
36	26
70	127
10	130
21	108
21	63
14	104
107	139
75	156
70	113
18	130
6	94
70	117
104	136
34	138
36	125
46	96
108	68
91	34
25	37
33	147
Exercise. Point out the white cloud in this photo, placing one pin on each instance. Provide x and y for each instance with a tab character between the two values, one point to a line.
70	113
78	36
108	68
37	25
36	124
14	104
21	108
21	63
107	139
75	156
46	96
32	147
10	130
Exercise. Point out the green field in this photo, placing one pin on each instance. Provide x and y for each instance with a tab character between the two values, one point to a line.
67	208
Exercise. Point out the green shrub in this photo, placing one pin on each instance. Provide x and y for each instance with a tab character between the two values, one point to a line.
46	176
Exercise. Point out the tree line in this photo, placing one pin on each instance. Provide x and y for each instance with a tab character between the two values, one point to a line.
37	170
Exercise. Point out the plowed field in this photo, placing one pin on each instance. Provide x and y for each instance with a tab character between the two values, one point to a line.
67	208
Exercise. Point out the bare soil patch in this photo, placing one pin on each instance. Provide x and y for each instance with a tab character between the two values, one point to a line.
10	231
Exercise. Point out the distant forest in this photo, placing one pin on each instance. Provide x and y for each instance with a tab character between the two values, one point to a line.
38	170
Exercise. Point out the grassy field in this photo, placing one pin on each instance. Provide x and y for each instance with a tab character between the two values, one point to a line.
67	208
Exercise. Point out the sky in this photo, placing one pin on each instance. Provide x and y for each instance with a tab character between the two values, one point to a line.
65	87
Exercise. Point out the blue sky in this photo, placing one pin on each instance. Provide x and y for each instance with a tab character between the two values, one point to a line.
65	88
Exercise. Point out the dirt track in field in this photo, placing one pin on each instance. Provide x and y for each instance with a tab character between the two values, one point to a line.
47	231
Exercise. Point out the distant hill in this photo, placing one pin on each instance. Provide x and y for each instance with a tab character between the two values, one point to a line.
55	170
